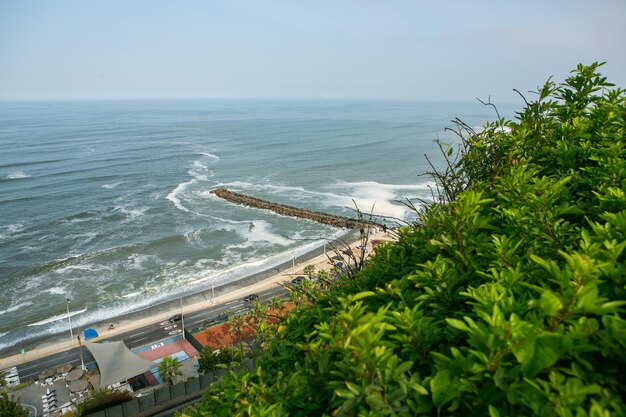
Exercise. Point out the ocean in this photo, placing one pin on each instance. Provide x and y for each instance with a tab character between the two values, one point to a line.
108	203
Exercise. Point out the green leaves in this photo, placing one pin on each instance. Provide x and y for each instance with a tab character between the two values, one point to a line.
507	299
550	303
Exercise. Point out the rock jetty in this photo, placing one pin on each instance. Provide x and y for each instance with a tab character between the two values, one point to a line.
329	219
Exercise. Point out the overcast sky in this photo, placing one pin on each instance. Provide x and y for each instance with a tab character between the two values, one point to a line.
415	50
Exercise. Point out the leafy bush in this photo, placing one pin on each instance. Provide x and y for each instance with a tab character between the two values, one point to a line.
211	361
507	299
101	400
23	385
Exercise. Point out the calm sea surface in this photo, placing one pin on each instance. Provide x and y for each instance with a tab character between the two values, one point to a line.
108	204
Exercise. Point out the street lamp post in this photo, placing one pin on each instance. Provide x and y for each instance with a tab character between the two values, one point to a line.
212	288
80	346
182	316
69	318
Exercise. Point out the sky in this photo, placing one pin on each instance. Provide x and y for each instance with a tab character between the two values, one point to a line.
341	49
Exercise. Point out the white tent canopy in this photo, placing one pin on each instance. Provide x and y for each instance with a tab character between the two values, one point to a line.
116	362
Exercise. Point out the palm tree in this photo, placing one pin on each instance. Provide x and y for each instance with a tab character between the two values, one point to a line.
169	369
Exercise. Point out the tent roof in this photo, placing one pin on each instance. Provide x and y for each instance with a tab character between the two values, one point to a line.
117	362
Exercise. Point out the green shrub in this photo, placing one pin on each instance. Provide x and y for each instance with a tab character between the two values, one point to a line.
101	400
210	360
506	300
23	385
10	406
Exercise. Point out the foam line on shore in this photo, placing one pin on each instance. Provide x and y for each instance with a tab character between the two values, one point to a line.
146	309
57	318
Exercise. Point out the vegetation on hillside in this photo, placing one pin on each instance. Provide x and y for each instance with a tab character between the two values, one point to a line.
9	405
505	298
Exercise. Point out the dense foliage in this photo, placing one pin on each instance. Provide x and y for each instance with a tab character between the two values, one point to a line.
10	407
505	300
210	360
100	400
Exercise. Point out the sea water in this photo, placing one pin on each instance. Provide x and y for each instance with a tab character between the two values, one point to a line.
108	204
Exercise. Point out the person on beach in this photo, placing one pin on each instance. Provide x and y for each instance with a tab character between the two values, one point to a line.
111	327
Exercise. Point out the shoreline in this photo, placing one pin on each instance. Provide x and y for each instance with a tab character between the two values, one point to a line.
198	301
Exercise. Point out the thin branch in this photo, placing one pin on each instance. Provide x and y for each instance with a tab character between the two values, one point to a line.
489	103
522	96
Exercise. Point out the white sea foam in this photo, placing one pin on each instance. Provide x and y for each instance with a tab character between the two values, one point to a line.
55	290
79	267
57	318
367	195
200	165
17	175
27	249
200	171
240	184
115	184
16	307
259	231
31	285
505	129
174	195
10	230
83	238
242	270
167	289
198	176
378	198
193	236
133	294
202	263
256	186
210	155
131	212
136	261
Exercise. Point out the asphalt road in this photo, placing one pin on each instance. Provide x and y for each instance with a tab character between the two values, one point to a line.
147	335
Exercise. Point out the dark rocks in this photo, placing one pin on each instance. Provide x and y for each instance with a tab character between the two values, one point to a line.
329	219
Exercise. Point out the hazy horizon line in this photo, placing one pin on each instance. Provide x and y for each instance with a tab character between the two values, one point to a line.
182	98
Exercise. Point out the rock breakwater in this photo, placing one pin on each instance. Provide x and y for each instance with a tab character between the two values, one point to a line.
329	219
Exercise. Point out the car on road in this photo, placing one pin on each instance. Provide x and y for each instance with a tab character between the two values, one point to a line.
172	320
297	279
250	297
175	318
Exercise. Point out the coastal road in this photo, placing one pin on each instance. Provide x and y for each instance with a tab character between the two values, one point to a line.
146	335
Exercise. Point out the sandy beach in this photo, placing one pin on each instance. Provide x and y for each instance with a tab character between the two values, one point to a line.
193	303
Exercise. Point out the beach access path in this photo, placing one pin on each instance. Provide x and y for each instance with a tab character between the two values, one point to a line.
137	321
